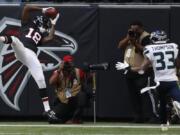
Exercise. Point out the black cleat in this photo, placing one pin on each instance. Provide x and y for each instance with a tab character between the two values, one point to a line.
52	118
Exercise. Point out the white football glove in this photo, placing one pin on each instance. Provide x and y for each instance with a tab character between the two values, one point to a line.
44	9
53	21
121	66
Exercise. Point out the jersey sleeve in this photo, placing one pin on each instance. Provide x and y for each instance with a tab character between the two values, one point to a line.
176	51
147	53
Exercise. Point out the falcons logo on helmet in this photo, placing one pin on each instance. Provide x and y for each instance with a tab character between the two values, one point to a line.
13	75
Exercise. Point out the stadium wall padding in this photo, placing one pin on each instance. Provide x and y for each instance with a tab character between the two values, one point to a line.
97	30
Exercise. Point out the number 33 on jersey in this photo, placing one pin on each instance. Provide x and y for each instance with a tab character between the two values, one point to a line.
162	57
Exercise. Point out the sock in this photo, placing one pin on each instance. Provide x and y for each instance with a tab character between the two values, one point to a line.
46	104
45	99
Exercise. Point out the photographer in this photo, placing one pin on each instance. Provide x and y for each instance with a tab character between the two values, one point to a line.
133	45
70	99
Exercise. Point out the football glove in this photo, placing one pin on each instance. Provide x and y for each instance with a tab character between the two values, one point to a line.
44	9
121	66
53	21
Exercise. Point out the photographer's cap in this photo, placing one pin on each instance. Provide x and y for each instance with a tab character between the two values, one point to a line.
68	58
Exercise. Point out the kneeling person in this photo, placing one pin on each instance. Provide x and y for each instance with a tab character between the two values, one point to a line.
70	98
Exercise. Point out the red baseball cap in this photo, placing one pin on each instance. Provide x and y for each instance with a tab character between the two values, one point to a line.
68	58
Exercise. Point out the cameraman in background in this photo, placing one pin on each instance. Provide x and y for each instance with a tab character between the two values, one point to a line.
70	98
133	45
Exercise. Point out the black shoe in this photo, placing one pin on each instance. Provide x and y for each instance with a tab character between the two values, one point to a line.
52	118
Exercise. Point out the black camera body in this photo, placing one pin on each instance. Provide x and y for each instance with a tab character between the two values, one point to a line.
132	33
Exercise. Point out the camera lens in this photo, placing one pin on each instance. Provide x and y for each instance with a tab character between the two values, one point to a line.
131	33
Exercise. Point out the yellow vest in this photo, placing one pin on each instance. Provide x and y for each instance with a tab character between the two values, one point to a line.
61	90
133	58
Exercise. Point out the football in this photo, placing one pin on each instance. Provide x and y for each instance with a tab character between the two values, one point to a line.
51	13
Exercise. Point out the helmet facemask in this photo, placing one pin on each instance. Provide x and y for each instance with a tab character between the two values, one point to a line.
159	36
43	23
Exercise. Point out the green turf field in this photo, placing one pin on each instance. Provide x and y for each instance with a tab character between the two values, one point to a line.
42	128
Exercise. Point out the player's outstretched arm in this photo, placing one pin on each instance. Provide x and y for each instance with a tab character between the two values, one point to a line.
30	8
26	12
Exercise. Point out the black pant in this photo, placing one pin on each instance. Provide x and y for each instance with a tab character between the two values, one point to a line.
73	109
141	103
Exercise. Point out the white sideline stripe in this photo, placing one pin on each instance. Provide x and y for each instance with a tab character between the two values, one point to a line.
1	133
163	133
78	134
89	126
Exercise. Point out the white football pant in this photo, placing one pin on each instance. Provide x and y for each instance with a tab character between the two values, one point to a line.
29	59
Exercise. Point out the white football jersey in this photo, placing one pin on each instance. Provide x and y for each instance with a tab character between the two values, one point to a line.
162	57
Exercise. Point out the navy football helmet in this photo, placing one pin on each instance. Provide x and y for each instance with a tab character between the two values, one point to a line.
159	36
43	23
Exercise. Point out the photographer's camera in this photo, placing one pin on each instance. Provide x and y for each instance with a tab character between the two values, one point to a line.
132	33
94	67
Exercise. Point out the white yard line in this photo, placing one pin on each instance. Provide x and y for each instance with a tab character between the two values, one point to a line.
87	126
164	133
1	133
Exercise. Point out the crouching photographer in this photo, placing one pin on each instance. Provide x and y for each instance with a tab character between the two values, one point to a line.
70	99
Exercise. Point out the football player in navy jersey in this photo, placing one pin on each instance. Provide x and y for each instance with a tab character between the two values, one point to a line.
32	34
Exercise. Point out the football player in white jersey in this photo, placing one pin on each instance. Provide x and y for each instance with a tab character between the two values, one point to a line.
163	56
